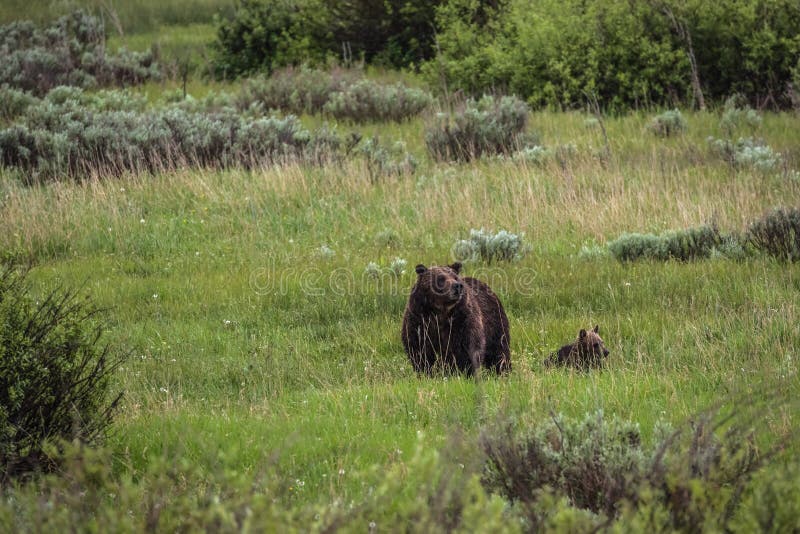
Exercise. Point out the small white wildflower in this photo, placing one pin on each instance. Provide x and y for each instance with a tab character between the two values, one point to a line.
155	295
141	221
163	390
341	472
398	266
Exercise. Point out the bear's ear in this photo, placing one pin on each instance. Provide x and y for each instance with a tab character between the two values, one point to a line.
596	328
582	334
420	269
456	267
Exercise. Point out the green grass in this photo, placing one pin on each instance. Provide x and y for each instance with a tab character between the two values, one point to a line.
249	351
133	16
177	44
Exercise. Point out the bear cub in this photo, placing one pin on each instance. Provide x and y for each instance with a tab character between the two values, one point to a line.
453	323
586	352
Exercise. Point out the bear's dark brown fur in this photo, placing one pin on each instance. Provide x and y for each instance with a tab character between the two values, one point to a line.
452	322
584	353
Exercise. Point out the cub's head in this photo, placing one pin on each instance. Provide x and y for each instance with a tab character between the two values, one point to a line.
591	344
439	288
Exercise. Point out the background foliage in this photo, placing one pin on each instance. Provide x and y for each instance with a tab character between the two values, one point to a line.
628	54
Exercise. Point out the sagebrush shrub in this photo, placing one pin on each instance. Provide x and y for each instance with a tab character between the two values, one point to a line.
777	233
668	124
536	155
342	94
488	246
595	462
687	478
13	102
683	245
386	161
738	115
295	90
365	101
55	373
71	134
484	127
745	153
72	51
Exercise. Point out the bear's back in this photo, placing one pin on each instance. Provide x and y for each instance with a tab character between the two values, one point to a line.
495	325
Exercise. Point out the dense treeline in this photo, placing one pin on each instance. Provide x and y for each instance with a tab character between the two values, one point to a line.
264	34
550	52
628	54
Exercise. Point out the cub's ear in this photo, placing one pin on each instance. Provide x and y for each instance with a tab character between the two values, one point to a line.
596	328
456	267
420	269
582	334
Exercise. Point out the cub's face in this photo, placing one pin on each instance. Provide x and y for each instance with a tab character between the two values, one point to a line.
441	287
592	344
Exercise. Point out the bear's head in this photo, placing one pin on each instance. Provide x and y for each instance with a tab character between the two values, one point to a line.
591	344
439	288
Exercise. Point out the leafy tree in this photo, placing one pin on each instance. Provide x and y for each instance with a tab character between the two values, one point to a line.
629	54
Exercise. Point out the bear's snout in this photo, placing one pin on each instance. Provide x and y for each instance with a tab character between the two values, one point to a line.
456	290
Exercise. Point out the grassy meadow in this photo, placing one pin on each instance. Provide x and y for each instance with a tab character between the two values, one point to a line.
257	344
263	367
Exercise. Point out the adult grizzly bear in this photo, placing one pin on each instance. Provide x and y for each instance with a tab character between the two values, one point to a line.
454	322
584	353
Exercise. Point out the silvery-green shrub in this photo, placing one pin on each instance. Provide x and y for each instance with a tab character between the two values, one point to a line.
487	246
668	124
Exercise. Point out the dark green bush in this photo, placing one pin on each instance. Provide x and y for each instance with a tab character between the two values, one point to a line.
683	245
396	33
777	233
55	373
773	505
264	35
628	54
70	52
484	127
